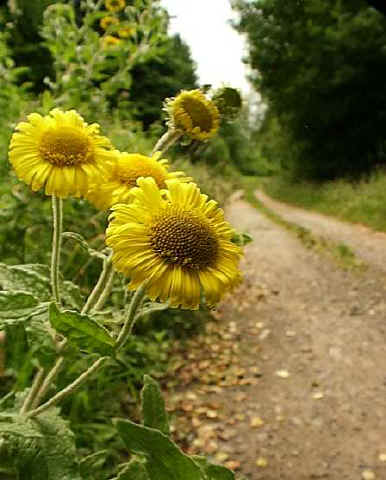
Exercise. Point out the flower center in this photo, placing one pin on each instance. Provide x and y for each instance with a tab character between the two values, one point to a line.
183	238
65	147
198	113
127	172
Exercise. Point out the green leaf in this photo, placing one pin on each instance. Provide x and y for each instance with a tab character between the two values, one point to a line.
30	448
165	461
16	304
71	294
81	330
212	471
134	470
17	308
32	278
39	336
93	463
153	406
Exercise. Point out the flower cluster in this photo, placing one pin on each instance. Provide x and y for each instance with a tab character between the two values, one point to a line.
113	25
165	235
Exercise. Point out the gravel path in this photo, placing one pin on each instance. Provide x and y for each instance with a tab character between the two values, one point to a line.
290	382
367	244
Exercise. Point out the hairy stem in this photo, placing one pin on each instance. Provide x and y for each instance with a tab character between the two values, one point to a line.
73	387
32	393
167	140
130	319
106	291
102	288
57	218
47	382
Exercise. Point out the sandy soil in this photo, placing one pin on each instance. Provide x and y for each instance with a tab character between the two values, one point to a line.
308	399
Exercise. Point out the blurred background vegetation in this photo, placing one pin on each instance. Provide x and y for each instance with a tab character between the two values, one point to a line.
320	67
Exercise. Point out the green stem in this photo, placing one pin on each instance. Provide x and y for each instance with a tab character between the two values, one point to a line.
102	287
32	393
73	387
47	382
106	291
57	217
130	319
166	141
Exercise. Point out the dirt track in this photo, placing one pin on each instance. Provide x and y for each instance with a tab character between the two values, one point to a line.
316	340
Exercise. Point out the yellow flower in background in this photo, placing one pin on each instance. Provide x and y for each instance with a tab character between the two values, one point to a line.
59	151
123	174
126	32
177	242
115	5
108	21
194	114
110	41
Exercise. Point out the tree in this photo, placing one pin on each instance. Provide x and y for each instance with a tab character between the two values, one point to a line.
320	66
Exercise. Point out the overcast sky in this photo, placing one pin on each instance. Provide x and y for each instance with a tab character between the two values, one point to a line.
216	47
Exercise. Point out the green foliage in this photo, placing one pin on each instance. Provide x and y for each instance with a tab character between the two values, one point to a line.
162	77
161	458
320	67
30	448
214	472
164	460
81	331
362	202
135	470
90	72
153	406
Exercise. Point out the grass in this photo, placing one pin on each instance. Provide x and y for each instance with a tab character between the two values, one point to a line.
338	252
362	201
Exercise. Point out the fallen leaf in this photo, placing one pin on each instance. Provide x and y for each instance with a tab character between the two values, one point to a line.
318	395
261	462
282	373
368	475
232	464
256	422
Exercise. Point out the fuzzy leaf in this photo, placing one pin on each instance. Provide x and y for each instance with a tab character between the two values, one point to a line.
17	304
32	278
164	460
39	335
81	330
71	294
153	406
30	448
212	471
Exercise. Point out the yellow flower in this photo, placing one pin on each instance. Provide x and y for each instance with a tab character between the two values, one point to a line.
59	151
123	174
108	21
126	32
194	114
115	5
110	41
176	241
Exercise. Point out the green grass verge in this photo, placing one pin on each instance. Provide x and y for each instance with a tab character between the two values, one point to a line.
339	252
362	202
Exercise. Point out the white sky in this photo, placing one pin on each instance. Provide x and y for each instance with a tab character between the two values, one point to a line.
216	47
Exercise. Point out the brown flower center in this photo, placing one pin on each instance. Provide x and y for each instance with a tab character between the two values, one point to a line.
184	238
65	147
198	113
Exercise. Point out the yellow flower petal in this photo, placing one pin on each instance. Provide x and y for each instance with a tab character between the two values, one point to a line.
171	243
58	151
